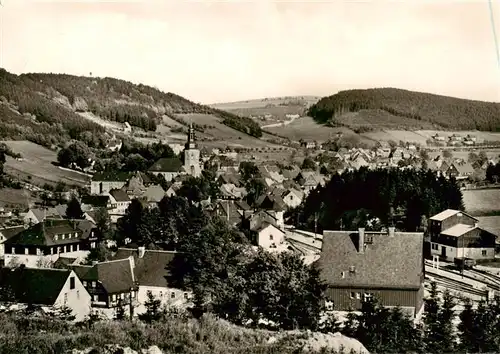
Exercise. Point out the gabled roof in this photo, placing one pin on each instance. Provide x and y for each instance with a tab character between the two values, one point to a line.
39	286
388	262
111	176
120	195
458	230
154	193
463	168
152	269
448	213
10	232
43	233
116	276
63	262
43	213
167	164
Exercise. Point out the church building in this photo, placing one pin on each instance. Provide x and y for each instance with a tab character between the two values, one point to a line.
192	164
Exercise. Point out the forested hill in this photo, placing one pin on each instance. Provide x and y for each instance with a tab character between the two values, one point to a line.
43	107
442	111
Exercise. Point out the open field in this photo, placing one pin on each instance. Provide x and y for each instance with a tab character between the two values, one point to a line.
306	128
277	108
36	166
222	135
482	202
490	223
262	102
397	135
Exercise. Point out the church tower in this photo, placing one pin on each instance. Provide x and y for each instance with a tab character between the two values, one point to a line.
192	155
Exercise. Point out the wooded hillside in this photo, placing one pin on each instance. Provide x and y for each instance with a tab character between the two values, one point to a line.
43	107
442	111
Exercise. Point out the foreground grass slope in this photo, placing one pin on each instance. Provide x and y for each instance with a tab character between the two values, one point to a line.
173	335
43	107
407	109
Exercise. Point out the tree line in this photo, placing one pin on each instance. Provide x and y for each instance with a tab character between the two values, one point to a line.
447	112
374	198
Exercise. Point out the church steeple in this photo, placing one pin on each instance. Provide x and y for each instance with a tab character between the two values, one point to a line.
191	138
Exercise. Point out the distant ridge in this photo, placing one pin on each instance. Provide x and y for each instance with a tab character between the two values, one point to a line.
441	111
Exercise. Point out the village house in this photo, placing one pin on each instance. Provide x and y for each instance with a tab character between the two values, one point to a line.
44	242
152	274
361	264
230	210
292	198
122	203
49	289
153	195
109	283
267	235
460	171
309	180
103	182
91	202
454	234
172	190
6	234
229	191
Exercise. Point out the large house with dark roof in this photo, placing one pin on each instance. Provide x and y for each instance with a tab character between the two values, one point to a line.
361	264
456	234
168	167
103	182
152	273
48	289
45	241
109	282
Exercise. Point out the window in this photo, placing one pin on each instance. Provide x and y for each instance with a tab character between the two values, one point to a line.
26	251
72	282
352	269
368	296
96	298
186	296
62	237
270	237
353	295
483	253
84	283
56	237
94	284
78	294
113	297
65	298
342	275
172	295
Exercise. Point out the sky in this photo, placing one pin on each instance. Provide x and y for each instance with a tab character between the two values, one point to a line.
214	51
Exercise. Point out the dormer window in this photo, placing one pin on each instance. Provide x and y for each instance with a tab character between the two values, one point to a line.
62	236
352	269
76	234
56	237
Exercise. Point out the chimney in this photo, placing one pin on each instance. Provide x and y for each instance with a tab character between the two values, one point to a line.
392	229
141	250
361	240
